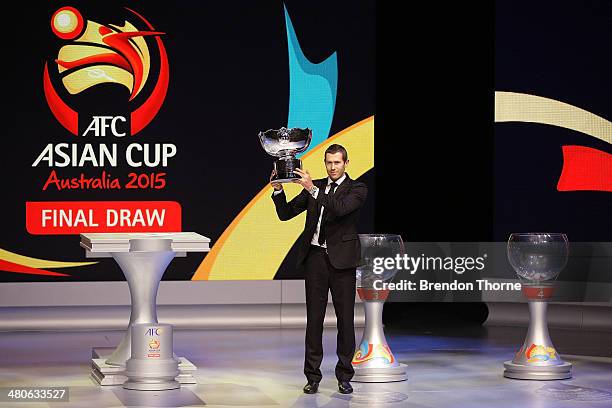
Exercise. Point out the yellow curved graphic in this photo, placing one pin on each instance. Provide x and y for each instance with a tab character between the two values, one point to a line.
256	242
84	78
520	107
38	263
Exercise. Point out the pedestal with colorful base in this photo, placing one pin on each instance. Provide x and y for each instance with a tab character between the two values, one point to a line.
538	258
373	361
537	359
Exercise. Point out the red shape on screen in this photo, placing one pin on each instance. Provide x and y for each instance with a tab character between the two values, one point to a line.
585	168
13	267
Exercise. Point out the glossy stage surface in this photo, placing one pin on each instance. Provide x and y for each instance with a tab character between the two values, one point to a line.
458	367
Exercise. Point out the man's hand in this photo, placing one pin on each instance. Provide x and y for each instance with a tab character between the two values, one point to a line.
305	180
277	186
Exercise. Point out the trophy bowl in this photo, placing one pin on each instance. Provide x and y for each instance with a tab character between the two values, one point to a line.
537	258
376	246
373	360
285	144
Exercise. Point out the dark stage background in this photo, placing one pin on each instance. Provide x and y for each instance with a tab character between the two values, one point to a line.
434	150
444	170
460	176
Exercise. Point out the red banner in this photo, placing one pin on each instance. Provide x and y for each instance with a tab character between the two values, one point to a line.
75	217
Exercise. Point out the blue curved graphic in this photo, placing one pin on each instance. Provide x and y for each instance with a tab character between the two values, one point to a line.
312	89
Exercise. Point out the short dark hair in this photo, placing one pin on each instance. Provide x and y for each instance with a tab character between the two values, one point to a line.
336	148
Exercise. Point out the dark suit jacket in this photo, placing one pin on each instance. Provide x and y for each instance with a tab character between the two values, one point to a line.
340	217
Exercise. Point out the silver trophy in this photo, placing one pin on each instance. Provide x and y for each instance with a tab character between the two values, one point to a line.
538	258
285	144
373	361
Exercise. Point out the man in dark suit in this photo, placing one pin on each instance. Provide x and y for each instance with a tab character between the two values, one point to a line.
329	252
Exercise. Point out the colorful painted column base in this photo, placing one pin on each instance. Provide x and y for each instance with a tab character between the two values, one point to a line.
537	358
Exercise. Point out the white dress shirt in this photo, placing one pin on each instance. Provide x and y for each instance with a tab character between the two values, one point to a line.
315	237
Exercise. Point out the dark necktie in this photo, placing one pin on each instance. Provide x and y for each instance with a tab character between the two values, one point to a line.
332	190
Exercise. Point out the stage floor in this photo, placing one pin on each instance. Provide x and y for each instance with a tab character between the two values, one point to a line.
456	367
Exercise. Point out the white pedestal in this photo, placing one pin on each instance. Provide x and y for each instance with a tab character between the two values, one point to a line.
143	258
373	360
106	374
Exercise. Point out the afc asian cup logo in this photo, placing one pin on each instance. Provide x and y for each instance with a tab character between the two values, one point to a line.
105	53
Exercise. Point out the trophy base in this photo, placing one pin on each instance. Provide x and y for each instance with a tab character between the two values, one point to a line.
105	374
541	373
284	170
285	180
380	375
151	386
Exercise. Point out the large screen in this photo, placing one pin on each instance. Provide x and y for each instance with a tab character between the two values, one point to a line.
144	117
